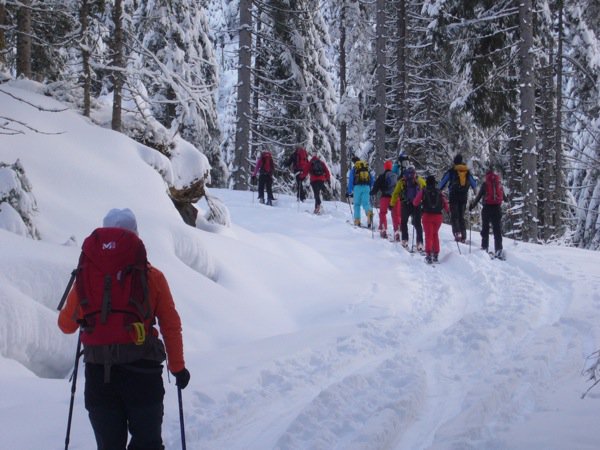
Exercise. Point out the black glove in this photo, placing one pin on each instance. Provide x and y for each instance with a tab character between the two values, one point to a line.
182	378
253	180
349	195
471	206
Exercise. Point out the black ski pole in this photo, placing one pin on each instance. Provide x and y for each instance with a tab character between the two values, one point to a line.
181	424
470	225
372	217
412	244
350	206
73	388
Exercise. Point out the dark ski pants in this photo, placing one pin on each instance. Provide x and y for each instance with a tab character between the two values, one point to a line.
408	210
431	224
265	181
132	401
317	187
457	217
491	214
301	195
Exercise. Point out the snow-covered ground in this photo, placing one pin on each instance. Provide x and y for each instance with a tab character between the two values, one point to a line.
300	331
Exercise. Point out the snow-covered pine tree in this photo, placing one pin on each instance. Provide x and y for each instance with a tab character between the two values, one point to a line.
296	96
176	65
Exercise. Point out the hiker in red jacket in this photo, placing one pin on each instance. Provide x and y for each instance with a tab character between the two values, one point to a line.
433	201
265	168
319	175
298	161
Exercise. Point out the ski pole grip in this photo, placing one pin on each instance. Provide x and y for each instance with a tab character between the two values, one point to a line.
67	290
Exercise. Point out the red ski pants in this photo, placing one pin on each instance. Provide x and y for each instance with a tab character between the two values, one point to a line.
431	225
384	205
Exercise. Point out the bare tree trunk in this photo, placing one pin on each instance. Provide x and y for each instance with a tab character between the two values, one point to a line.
547	181
24	30
84	14
528	138
559	192
242	134
380	74
401	68
256	86
118	64
343	124
2	34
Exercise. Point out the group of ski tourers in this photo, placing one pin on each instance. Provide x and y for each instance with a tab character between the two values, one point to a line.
314	168
404	193
410	196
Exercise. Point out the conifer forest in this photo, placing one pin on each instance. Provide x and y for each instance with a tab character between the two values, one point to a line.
513	84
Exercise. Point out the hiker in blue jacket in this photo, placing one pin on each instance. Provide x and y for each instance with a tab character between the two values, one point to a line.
360	183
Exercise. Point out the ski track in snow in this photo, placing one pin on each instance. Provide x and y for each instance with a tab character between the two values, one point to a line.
395	381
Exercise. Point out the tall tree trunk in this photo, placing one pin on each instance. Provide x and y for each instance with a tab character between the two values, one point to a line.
343	124
118	63
242	134
84	15
528	139
547	182
2	34
401	68
380	75
256	85
24	30
559	193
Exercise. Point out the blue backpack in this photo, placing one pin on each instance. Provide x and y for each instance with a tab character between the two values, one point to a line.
411	185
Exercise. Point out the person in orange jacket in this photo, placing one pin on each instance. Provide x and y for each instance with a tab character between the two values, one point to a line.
129	398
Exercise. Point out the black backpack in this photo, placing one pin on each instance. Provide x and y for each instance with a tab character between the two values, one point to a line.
432	200
317	167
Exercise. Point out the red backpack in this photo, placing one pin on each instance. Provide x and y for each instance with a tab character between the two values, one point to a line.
493	189
112	285
301	159
266	166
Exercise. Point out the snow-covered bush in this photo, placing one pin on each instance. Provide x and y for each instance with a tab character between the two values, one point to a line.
17	203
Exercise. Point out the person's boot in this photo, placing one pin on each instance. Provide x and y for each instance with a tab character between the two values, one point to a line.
383	234
434	258
370	219
357	222
397	236
261	200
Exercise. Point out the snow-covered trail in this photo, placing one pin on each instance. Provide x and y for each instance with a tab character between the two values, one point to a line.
419	356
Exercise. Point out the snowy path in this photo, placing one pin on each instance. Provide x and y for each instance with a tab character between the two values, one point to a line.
437	358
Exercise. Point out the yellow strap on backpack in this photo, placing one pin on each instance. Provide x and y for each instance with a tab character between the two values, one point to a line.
140	333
